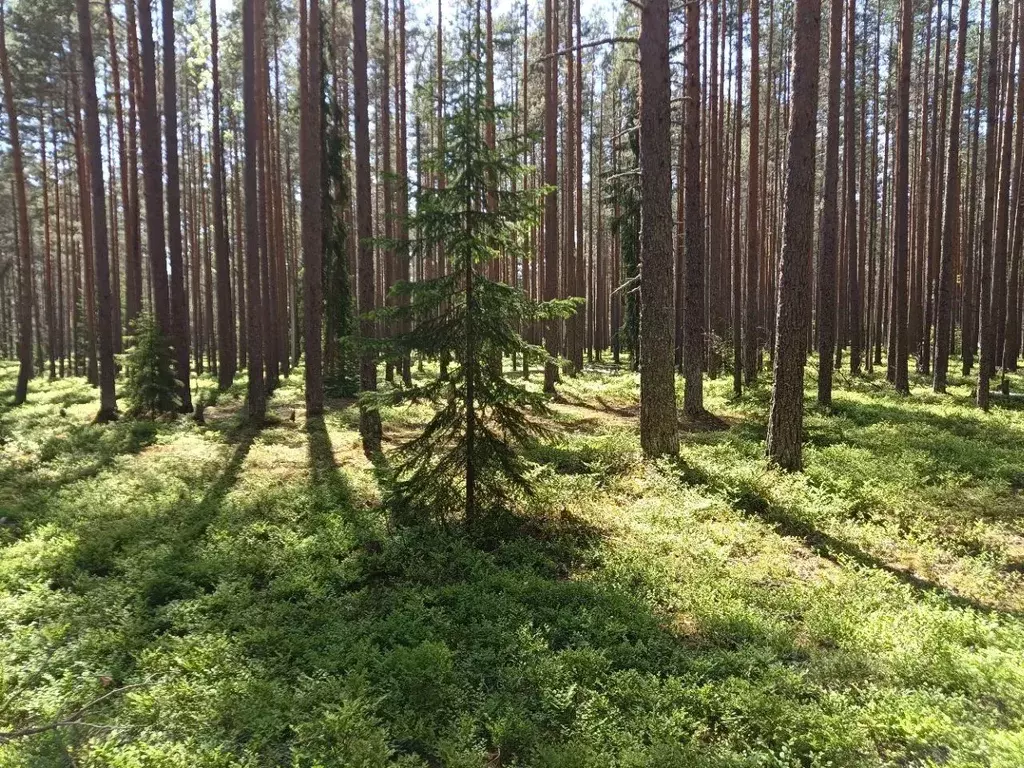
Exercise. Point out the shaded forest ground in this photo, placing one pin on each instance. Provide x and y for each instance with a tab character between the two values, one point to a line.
702	612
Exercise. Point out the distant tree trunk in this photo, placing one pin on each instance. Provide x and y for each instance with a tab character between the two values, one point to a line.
551	331
153	172
737	247
369	418
750	342
225	319
785	419
105	328
943	308
968	296
51	317
312	237
1003	221
24	246
901	199
849	157
257	395
658	436
403	177
133	277
987	332
693	296
828	246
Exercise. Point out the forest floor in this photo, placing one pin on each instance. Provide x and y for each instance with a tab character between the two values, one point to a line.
868	611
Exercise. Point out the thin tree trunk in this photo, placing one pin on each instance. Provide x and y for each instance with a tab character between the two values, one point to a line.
693	297
987	332
312	237
369	418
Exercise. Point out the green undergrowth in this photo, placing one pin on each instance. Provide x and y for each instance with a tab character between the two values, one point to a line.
705	611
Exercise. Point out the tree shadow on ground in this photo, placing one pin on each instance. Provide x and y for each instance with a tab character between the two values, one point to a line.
753	502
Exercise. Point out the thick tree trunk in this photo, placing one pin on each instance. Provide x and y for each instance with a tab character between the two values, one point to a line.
785	419
179	303
658	436
153	172
105	327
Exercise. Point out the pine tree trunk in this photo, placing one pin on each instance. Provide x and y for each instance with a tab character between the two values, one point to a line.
943	303
785	420
849	157
225	319
21	202
105	328
552	341
693	294
750	340
901	216
369	418
312	237
986	331
658	434
828	246
256	393
179	304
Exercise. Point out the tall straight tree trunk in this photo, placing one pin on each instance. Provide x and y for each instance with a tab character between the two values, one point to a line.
179	305
901	199
737	246
105	326
51	317
828	246
850	159
21	202
943	303
693	296
312	217
369	418
987	332
133	276
1011	344
1003	221
658	436
753	261
153	173
785	418
85	221
968	296
551	331
225	319
256	393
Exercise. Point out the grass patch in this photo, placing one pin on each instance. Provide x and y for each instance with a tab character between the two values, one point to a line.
706	611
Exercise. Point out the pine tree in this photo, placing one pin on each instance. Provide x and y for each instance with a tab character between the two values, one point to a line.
150	388
481	418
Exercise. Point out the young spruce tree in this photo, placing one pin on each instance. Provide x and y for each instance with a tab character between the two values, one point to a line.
466	460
